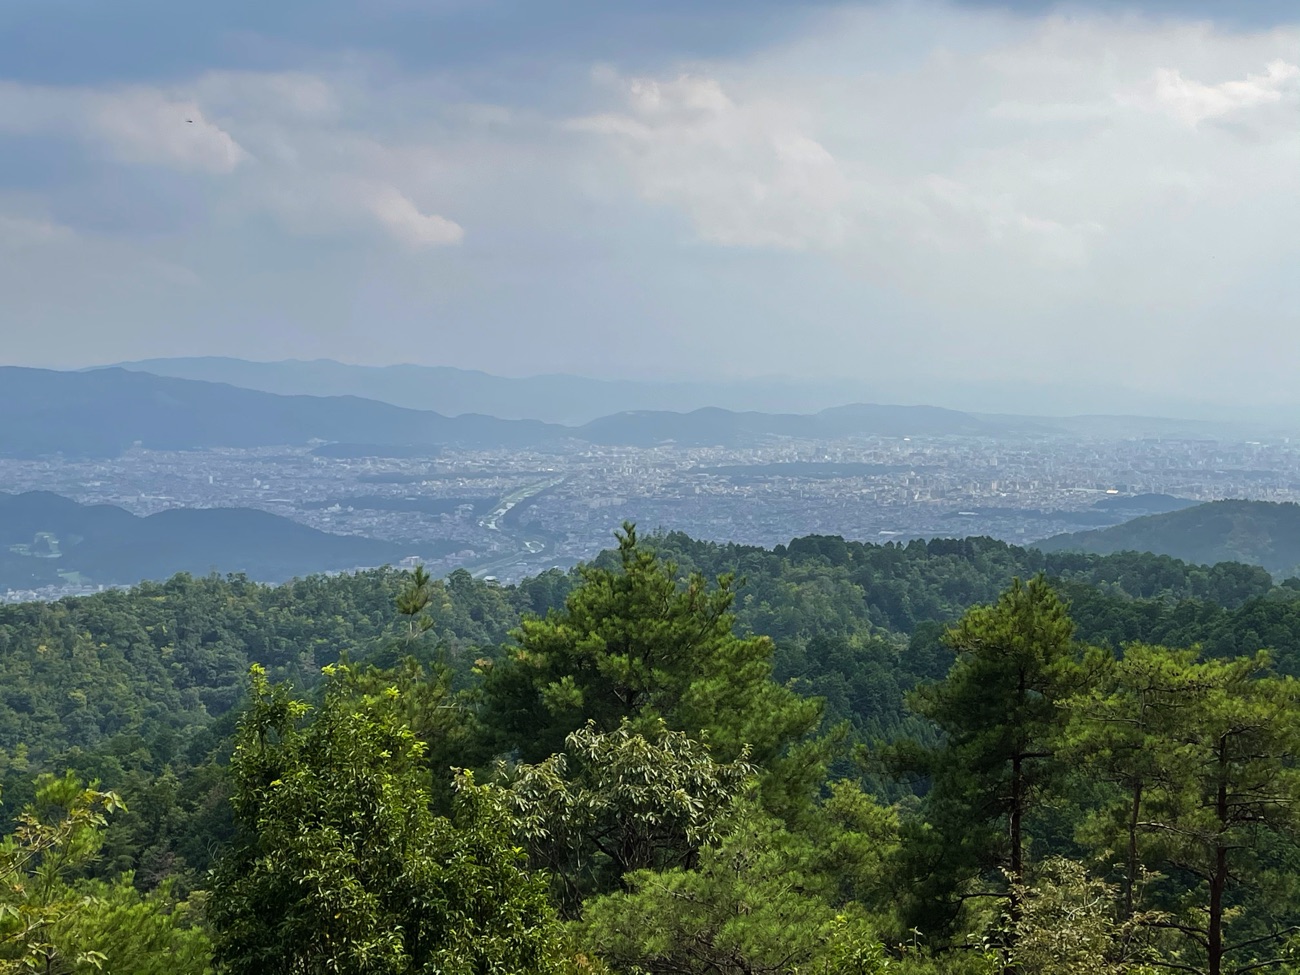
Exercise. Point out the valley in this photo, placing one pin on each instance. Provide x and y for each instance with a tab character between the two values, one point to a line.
510	513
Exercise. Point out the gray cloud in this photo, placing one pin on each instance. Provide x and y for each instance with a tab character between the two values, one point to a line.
919	195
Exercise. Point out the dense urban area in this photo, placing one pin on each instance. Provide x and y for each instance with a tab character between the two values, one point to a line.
508	514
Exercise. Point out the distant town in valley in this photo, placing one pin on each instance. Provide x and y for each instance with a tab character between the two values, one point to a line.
510	513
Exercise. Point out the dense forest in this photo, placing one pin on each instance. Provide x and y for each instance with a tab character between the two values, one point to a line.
954	756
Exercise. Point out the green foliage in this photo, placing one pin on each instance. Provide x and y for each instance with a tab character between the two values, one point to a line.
115	928
756	903
621	801
633	644
1257	533
687	819
997	711
1205	751
340	865
55	922
1070	922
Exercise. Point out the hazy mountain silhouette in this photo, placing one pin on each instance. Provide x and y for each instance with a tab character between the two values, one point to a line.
102	412
577	400
46	539
553	398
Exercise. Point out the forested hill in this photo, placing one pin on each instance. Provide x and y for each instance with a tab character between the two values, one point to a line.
857	622
762	767
1262	533
49	540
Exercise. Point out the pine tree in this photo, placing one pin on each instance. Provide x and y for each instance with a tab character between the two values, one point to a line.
635	644
998	714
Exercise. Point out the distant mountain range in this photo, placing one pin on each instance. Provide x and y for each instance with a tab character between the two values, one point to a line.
105	411
570	400
577	400
46	539
1260	533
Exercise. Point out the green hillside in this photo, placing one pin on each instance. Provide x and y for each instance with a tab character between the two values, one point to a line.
803	751
1260	533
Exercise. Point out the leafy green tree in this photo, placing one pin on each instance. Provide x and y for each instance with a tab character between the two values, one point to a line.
426	704
621	801
1071	922
341	867
997	711
633	644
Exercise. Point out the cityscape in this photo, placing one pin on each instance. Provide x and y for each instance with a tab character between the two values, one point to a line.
507	514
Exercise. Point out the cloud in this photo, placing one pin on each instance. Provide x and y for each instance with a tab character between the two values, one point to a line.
1193	102
405	221
1001	174
277	143
745	173
147	127
924	190
1030	142
142	126
755	170
18	231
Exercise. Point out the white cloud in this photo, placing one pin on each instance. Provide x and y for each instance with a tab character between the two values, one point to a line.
1030	140
745	173
923	188
407	223
1000	174
1193	102
138	125
149	127
753	171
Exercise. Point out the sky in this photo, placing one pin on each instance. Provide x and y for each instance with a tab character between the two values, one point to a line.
1085	207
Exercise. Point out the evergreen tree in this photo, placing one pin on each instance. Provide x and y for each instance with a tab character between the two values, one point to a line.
756	904
55	922
998	714
1207	752
634	644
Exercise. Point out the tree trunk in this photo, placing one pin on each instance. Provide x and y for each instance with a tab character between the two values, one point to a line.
1017	816
1219	876
1131	880
1017	859
1017	839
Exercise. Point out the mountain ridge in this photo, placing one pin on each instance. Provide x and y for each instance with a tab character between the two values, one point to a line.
106	411
102	412
550	397
1262	533
574	400
46	537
